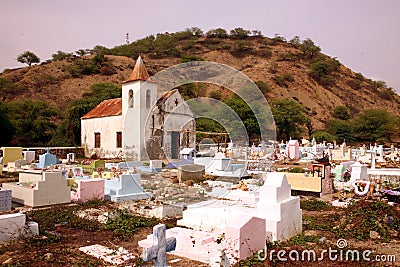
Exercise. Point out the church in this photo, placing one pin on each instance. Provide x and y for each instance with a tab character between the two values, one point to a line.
141	125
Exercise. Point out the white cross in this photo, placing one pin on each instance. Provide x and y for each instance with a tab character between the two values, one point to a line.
157	248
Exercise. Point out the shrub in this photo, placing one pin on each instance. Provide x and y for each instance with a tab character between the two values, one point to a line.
314	205
282	80
189	58
215	94
239	33
263	86
217	33
322	69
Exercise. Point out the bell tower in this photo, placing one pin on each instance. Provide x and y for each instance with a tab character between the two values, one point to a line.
138	99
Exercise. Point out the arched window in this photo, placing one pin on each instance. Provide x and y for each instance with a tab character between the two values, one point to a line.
130	99
148	99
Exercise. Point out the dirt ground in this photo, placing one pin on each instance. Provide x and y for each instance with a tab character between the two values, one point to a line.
61	247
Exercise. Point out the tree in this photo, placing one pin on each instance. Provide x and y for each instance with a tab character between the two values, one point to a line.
6	128
217	33
322	69
33	122
82	52
61	55
295	41
195	31
342	130
28	57
239	33
321	136
290	117
309	48
341	112
376	125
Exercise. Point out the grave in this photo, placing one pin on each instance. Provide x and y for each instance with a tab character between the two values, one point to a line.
87	189
113	256
126	187
188	153
221	166
5	200
29	156
276	205
153	209
318	182
157	245
156	165
47	160
10	154
191	172
15	165
239	239
36	189
15	225
292	149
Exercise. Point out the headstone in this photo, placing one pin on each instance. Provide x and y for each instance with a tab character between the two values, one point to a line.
292	149
29	156
188	153
359	172
88	189
191	172
157	245
373	160
47	160
11	154
5	200
14	225
244	235
156	165
127	187
381	153
71	157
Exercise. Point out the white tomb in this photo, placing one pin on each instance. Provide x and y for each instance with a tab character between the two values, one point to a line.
275	204
14	225
36	189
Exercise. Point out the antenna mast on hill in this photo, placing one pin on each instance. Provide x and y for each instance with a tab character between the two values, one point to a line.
127	38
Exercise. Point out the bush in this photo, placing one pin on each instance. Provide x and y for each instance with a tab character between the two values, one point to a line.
322	69
314	205
217	33
282	80
341	112
215	94
321	136
263	86
189	58
239	33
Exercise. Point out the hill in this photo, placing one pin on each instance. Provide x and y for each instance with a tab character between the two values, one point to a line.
286	70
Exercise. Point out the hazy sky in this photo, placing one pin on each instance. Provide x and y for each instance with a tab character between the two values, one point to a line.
364	35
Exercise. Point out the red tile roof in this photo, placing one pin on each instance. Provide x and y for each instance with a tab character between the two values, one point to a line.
139	71
109	107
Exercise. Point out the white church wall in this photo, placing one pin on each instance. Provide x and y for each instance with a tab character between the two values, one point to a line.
144	98
108	128
179	118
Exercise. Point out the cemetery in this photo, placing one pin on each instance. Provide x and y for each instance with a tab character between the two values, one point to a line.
182	205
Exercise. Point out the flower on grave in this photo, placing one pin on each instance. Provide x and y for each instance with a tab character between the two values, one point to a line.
219	239
361	186
346	175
